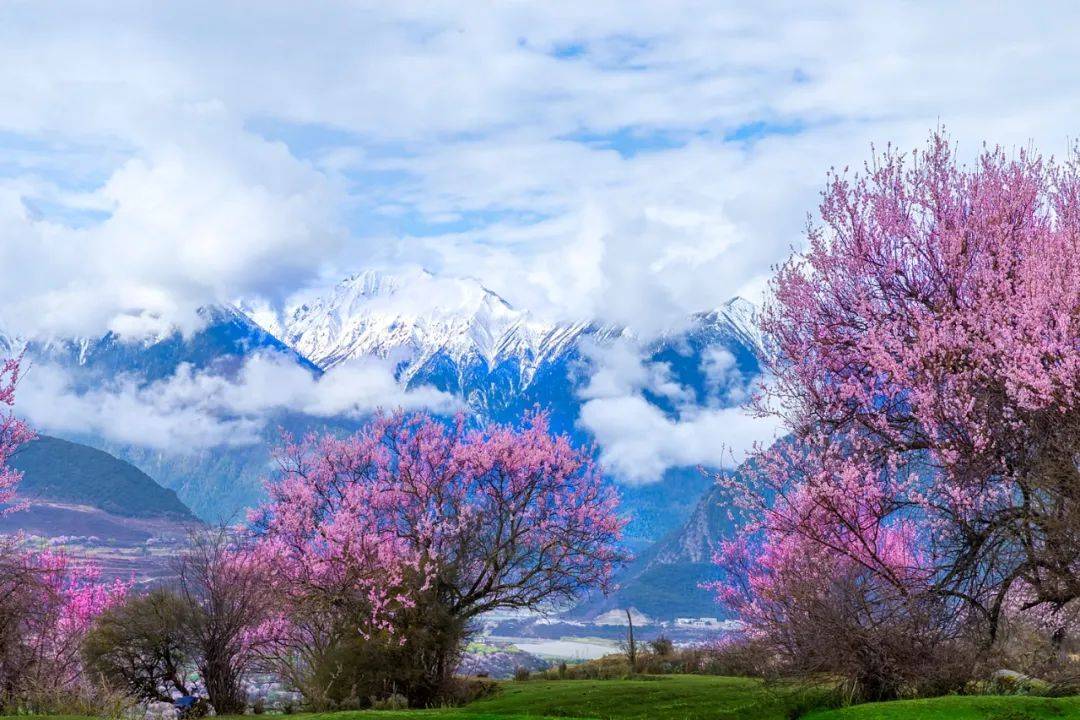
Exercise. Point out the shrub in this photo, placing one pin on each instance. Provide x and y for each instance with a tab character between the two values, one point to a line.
411	661
463	691
521	673
142	645
84	700
662	646
739	658
394	701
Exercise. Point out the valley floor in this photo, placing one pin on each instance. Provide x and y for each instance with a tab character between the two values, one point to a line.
703	698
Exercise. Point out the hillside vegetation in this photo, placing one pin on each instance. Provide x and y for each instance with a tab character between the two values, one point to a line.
67	472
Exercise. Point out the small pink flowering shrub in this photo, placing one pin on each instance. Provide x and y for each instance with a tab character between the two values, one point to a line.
49	604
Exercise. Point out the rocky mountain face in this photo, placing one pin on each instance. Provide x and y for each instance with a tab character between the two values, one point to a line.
458	336
664	581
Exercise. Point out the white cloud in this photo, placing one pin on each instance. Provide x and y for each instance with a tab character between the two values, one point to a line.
639	441
726	384
625	160
194	410
191	221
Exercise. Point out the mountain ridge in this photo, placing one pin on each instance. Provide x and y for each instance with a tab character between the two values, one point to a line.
456	336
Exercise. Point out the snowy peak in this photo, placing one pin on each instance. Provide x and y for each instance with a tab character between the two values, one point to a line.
416	317
462	336
738	317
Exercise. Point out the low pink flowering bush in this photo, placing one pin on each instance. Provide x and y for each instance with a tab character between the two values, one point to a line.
50	602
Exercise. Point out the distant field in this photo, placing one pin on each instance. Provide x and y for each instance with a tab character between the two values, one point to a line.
703	698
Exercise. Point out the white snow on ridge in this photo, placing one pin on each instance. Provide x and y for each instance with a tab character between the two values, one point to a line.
417	317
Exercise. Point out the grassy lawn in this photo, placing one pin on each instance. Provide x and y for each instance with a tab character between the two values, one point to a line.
672	697
960	708
703	698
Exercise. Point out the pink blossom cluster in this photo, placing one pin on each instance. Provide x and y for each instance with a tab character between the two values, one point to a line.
411	506
69	597
13	433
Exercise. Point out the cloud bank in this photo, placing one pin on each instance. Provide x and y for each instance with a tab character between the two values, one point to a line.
192	410
639	440
617	160
624	161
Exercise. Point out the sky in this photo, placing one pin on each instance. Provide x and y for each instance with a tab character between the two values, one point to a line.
624	161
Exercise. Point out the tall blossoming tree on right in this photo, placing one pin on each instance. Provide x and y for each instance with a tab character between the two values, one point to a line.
926	359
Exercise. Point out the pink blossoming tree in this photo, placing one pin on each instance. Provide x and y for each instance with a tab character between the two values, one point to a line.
412	519
48	604
926	358
47	600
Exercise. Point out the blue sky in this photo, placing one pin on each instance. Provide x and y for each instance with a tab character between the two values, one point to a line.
623	160
630	161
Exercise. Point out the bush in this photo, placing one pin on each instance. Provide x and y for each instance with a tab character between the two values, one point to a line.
83	700
740	658
521	673
142	645
463	691
199	709
416	661
662	646
609	667
394	701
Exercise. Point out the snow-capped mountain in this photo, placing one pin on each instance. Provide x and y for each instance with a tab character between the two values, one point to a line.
419	317
227	337
463	338
450	333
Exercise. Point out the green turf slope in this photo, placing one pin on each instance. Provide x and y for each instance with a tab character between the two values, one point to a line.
703	698
976	707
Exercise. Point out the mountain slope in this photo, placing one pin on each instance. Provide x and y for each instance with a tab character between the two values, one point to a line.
65	472
98	508
419	317
462	338
221	345
665	580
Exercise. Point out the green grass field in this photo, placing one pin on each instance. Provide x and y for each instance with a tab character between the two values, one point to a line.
960	708
703	698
